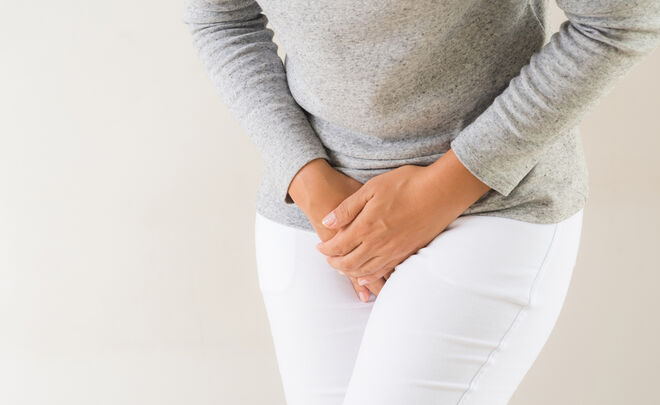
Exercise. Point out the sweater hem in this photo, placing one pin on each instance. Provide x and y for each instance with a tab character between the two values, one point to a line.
526	212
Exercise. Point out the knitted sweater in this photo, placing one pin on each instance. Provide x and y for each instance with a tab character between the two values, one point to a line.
372	85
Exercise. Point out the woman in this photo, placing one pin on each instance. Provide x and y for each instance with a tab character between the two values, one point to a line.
439	141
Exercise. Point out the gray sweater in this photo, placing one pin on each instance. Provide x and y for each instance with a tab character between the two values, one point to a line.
372	85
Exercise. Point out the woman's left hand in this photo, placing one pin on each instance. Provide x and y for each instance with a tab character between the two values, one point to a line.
395	214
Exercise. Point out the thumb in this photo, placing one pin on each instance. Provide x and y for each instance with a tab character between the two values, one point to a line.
347	210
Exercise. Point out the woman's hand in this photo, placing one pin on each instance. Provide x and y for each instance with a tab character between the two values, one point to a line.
316	189
397	213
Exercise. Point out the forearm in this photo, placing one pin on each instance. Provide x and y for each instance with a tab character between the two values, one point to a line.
309	181
233	41
453	185
449	182
569	75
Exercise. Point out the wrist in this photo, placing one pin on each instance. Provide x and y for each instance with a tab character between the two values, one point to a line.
308	180
453	181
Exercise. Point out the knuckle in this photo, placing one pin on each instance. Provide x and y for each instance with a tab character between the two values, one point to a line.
369	184
339	263
365	273
350	265
363	229
342	211
343	251
364	225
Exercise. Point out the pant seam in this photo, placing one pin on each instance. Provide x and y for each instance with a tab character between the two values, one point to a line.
514	323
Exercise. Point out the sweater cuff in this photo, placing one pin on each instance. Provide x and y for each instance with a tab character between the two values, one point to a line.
286	169
497	170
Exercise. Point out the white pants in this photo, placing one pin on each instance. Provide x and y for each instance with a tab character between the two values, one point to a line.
459	322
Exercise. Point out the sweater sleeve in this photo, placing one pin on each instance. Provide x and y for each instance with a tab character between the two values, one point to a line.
237	51
598	44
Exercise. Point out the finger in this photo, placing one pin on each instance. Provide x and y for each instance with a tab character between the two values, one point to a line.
374	266
388	275
348	209
352	263
379	272
376	286
361	291
342	243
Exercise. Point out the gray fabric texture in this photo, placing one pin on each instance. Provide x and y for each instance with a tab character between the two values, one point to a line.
373	85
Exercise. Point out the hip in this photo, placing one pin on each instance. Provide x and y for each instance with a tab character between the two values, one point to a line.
486	252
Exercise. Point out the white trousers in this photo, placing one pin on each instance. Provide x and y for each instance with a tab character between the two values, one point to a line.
459	322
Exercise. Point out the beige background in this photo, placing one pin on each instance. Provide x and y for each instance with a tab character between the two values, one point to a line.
127	272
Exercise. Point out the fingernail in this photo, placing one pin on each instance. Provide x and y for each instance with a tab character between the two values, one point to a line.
329	219
362	281
364	296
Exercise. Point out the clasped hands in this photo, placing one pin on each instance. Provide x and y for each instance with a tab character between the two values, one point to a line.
368	229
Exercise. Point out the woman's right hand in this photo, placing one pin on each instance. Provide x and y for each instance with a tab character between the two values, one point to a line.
317	189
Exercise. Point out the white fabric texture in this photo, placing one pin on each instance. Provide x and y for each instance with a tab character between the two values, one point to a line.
459	322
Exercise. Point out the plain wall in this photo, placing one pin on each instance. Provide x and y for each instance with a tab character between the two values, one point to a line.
127	270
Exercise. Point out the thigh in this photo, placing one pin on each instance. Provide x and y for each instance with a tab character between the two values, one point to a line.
462	320
315	317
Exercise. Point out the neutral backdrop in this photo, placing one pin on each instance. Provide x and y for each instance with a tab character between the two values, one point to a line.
127	270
